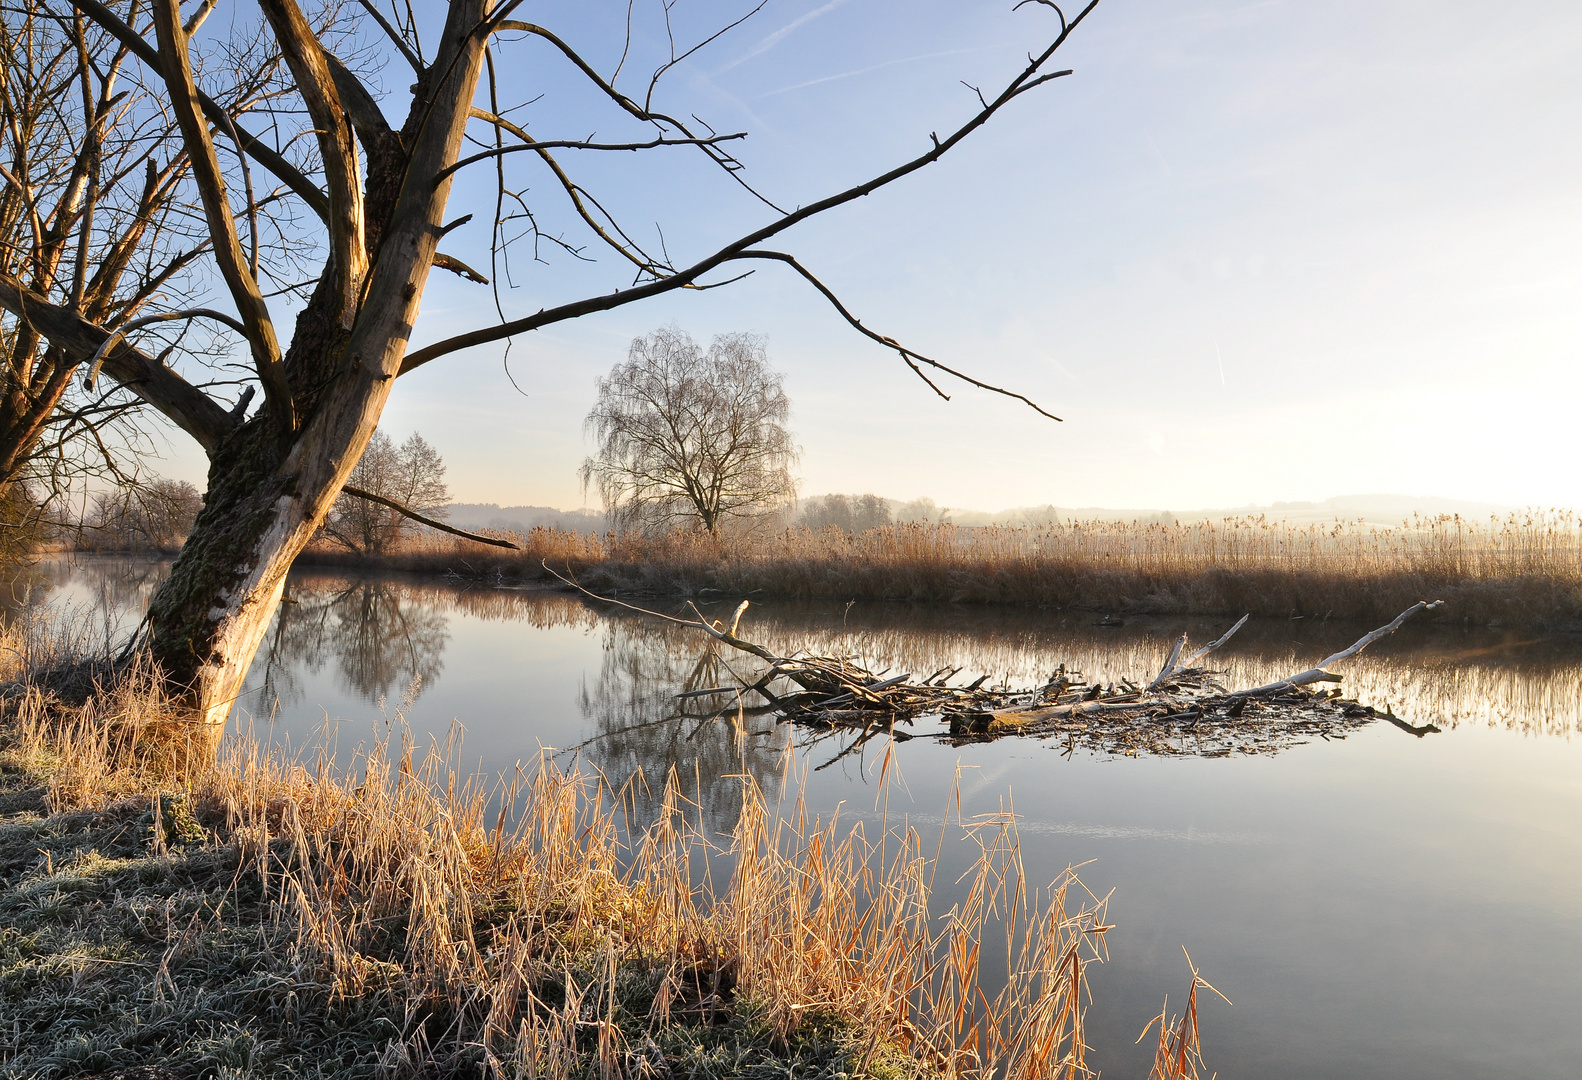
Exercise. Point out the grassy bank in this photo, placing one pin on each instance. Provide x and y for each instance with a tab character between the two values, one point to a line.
1522	571
166	910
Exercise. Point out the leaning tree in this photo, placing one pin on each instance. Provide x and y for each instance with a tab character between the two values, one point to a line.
320	155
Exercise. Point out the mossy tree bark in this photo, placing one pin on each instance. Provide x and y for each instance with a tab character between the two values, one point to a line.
270	486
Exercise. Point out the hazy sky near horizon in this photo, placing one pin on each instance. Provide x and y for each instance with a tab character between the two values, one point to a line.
1249	251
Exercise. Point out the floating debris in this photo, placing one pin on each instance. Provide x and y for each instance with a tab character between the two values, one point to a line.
1182	710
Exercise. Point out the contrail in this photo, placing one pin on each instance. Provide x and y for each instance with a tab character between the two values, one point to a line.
875	67
774	39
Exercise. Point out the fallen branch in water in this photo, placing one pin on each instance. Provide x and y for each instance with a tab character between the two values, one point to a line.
1319	674
1183	700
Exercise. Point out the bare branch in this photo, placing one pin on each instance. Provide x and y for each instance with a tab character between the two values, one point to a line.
120	332
641	112
626	247
367	117
293	177
188	407
734	250
200	16
217	211
311	70
906	354
1319	672
359	493
449	262
394	36
582	144
674	60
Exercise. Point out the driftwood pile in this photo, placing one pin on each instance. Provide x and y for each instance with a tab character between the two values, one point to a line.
1181	710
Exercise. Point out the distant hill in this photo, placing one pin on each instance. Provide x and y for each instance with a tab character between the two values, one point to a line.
1372	509
1392	509
522	518
1386	510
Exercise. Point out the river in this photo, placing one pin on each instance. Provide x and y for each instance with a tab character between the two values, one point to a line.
1383	905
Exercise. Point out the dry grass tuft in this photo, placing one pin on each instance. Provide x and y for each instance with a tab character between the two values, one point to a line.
1178	1054
238	911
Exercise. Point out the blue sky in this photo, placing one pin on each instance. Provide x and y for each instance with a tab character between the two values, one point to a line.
1249	251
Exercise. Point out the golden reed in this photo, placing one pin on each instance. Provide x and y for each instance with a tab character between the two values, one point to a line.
1522	570
535	926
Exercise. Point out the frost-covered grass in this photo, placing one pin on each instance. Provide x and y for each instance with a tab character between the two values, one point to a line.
172	909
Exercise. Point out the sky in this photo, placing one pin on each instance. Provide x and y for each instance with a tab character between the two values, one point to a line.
1247	251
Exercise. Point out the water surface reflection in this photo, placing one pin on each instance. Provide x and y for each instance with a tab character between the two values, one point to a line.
381	639
1385	906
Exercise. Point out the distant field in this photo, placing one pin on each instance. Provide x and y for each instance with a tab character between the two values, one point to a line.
1521	570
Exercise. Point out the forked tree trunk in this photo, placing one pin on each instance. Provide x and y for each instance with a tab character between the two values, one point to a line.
268	492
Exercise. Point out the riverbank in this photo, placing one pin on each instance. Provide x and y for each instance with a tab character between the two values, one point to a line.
168	910
1523	572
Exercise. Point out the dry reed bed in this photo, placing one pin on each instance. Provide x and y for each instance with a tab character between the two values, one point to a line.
1524	570
236	913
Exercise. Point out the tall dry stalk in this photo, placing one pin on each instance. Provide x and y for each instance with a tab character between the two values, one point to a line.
1178	1054
525	927
520	932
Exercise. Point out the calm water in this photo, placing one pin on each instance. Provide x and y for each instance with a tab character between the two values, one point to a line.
1379	906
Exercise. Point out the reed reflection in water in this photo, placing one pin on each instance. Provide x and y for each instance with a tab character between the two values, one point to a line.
1430	672
380	635
1387	906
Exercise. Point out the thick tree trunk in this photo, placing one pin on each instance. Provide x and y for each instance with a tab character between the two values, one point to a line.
269	492
208	618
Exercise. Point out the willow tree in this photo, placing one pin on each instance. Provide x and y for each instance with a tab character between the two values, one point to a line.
692	436
324	154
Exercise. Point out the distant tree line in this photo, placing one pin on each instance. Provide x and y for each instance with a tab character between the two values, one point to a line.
859	513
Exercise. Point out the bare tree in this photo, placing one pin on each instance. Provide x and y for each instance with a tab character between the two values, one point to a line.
692	436
411	476
366	203
921	509
100	230
152	515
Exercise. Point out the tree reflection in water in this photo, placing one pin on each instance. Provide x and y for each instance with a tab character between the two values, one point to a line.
382	636
643	733
95	601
